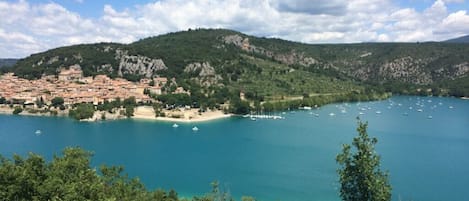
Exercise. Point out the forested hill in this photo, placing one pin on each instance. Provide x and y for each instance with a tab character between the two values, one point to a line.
225	58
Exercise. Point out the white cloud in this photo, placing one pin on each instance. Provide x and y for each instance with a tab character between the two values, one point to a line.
30	27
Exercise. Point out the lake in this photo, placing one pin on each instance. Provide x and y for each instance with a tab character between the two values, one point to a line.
423	142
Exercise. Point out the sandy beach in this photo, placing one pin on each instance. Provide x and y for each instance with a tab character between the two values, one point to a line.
186	115
141	112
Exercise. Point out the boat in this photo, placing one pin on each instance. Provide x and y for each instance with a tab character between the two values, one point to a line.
195	128
175	125
253	119
361	113
419	110
38	132
378	112
451	107
430	117
316	114
405	114
331	114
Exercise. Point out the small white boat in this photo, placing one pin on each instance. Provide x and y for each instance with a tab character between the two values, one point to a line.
361	113
419	110
38	132
430	117
253	119
378	112
331	114
175	125
195	128
316	114
451	107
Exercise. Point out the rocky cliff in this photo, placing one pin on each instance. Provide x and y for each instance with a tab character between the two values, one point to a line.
137	64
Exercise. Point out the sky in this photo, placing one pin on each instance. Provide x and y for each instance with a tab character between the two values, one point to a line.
32	26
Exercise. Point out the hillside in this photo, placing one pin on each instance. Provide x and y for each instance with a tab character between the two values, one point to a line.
209	60
462	39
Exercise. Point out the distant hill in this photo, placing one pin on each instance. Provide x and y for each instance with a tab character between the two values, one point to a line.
7	62
212	59
462	39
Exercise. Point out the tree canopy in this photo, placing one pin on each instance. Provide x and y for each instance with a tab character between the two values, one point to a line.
360	175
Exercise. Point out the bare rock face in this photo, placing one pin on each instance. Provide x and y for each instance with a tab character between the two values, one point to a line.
287	58
405	69
136	64
460	70
205	73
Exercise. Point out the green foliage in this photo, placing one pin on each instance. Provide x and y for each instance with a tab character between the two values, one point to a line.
70	177
360	175
129	102
90	57
129	111
239	107
2	100
17	110
82	111
109	106
175	100
57	101
129	105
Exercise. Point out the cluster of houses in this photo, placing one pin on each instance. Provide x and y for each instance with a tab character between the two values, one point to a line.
74	88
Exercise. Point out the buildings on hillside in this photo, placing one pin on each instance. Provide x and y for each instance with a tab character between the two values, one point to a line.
74	88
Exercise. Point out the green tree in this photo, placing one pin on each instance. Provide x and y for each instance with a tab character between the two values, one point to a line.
17	110
2	100
82	111
57	101
360	175
240	107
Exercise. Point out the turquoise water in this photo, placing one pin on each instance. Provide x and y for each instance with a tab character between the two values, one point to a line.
291	159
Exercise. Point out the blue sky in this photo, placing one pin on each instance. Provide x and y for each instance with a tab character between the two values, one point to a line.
31	26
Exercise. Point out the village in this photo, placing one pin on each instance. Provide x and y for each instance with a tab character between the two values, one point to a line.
74	88
71	86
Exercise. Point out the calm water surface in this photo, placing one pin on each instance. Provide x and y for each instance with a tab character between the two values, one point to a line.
426	152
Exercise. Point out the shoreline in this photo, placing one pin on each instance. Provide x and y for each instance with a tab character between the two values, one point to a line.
140	113
143	113
185	116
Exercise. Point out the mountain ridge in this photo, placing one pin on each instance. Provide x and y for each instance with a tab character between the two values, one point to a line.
229	58
7	62
462	39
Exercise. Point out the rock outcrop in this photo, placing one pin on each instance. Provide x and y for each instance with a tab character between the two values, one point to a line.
204	73
290	58
136	64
